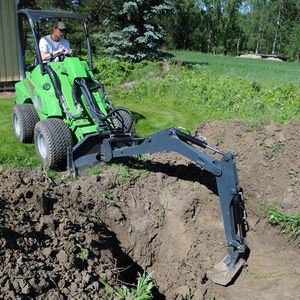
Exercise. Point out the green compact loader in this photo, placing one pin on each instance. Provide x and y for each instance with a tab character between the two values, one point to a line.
64	110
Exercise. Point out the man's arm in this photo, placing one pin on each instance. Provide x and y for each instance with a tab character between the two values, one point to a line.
48	56
45	55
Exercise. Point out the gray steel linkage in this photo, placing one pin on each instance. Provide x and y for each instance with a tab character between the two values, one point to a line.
105	147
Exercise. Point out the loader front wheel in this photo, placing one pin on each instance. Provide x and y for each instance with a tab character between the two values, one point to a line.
24	119
52	139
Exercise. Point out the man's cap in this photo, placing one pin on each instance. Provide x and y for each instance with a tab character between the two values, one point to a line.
60	25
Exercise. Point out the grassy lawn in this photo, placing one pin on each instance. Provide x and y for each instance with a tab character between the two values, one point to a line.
254	69
186	96
149	119
13	152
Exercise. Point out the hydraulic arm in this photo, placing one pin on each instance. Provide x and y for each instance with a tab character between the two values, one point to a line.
106	146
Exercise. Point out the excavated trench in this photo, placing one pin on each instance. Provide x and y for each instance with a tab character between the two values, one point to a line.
59	237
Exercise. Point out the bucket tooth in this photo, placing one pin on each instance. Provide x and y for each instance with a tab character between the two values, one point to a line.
224	271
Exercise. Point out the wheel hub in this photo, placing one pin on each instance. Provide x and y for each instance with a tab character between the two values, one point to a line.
41	144
16	125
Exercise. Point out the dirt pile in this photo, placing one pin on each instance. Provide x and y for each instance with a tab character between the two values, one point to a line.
58	237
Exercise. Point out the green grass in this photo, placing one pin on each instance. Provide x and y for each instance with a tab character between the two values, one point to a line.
254	69
267	276
150	119
93	171
12	152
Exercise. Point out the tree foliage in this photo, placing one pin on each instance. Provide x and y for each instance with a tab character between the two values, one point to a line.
258	26
135	29
132	29
185	27
236	26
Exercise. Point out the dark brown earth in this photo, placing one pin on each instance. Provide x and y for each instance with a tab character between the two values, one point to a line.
59	236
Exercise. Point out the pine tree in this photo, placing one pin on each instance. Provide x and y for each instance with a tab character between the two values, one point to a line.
133	30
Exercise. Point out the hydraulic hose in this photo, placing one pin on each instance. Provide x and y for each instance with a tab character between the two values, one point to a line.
56	86
103	92
93	107
98	85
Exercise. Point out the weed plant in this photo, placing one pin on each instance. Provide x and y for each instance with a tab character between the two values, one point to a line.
288	224
25	277
83	253
128	170
277	147
52	278
141	292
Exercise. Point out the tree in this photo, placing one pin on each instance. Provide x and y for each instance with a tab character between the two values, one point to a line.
132	28
230	18
256	24
292	47
185	28
222	21
284	21
135	29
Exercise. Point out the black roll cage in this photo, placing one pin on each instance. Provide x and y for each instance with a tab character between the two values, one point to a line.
33	17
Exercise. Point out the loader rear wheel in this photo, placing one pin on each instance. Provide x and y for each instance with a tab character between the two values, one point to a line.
52	139
24	119
123	120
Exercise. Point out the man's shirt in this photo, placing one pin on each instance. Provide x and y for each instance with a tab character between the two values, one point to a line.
49	46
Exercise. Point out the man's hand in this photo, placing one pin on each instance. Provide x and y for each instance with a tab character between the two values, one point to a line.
60	50
64	51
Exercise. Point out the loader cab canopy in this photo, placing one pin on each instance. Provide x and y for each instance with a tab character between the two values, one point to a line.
34	24
36	15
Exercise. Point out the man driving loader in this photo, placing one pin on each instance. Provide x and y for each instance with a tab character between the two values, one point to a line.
75	126
55	43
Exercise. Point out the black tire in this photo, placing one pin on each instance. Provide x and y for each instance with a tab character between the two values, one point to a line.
52	139
24	119
123	120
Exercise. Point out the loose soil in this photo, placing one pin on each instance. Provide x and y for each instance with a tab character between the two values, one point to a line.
58	237
7	95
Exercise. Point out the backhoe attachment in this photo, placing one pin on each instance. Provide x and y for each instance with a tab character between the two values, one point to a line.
106	146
